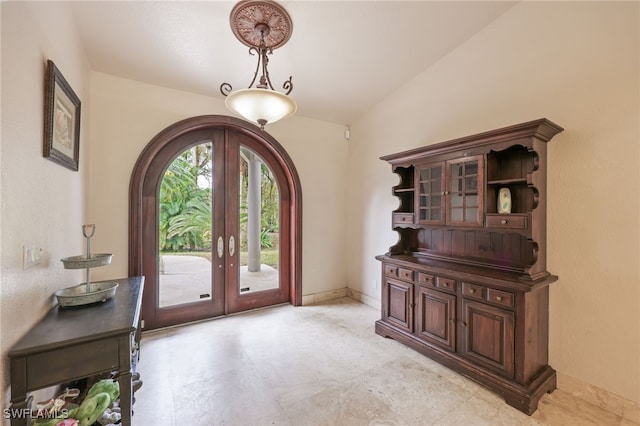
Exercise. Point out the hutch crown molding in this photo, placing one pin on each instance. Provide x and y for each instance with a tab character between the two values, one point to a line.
466	284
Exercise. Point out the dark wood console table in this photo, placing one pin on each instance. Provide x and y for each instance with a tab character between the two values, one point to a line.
77	342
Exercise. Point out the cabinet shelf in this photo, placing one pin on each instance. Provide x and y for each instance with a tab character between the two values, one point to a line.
401	190
406	179
511	165
523	197
507	181
405	191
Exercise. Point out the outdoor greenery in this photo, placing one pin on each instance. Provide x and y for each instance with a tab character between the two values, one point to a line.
186	204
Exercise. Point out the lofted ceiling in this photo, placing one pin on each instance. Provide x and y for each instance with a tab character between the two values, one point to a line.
344	56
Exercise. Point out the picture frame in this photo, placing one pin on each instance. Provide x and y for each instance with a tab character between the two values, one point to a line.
61	120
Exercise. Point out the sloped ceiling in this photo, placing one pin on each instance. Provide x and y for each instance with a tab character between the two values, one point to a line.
344	56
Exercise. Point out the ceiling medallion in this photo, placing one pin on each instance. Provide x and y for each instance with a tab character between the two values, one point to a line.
249	17
262	25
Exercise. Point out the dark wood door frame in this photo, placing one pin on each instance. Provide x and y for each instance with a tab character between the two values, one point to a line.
139	195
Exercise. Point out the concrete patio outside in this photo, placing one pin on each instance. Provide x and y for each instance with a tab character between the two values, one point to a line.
183	279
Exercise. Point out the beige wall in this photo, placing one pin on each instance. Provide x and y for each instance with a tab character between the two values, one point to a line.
42	203
575	63
126	115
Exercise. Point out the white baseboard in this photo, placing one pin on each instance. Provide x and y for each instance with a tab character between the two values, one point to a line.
601	398
323	296
363	298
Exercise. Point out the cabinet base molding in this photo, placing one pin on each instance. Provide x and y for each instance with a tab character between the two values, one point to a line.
522	397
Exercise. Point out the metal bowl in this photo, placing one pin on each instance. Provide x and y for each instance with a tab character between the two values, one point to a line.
78	295
82	261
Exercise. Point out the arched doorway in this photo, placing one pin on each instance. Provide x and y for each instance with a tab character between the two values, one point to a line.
236	153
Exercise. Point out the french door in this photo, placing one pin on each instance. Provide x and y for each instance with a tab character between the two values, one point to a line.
216	225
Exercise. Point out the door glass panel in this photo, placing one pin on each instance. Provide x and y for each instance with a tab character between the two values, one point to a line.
259	225
464	199
456	200
471	168
471	184
430	195
185	206
456	186
457	214
436	172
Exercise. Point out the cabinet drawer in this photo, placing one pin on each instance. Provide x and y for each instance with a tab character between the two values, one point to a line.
391	270
500	297
426	279
508	221
446	284
473	291
402	218
405	274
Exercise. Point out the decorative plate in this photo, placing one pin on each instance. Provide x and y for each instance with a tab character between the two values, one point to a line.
504	201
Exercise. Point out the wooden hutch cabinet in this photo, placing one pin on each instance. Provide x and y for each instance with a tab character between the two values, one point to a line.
466	284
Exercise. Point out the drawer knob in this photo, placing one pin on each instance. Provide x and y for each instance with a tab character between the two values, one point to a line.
471	291
445	284
452	321
499	298
503	221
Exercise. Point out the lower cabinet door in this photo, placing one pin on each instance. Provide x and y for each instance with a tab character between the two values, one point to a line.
488	337
397	304
435	317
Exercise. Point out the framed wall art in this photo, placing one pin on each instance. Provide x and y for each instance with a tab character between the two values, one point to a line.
61	120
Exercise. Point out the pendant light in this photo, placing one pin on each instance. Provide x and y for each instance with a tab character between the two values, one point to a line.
263	26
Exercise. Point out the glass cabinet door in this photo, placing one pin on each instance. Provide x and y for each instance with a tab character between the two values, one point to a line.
430	193
451	192
464	191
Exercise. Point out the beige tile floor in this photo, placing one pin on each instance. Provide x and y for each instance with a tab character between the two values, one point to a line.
318	365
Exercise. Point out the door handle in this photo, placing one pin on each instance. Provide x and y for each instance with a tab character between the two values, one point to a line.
220	247
232	246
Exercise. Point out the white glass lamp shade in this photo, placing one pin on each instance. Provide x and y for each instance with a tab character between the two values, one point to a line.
261	105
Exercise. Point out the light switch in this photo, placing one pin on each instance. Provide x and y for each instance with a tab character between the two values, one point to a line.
31	256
